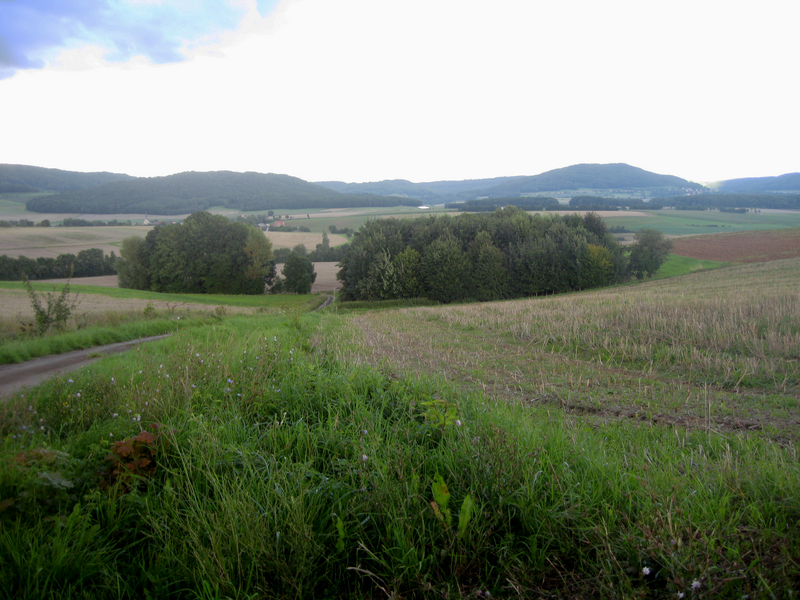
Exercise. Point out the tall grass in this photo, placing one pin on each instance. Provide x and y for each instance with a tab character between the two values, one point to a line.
281	471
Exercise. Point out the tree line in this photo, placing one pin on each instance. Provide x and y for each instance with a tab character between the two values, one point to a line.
719	201
505	254
88	263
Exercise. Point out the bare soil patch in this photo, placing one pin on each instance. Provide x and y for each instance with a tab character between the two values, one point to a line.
741	247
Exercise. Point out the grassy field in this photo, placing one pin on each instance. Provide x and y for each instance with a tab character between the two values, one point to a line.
636	442
690	222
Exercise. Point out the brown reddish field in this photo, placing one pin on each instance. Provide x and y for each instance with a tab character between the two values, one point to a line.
742	247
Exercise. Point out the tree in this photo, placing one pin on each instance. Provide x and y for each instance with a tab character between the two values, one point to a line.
260	265
207	254
648	252
445	270
298	274
133	265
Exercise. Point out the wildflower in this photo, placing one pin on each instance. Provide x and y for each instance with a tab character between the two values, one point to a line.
194	386
227	389
197	355
114	415
78	395
30	407
275	339
364	458
681	594
110	435
230	380
69	381
458	424
646	571
696	585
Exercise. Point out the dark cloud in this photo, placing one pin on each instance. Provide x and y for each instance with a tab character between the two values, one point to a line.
32	31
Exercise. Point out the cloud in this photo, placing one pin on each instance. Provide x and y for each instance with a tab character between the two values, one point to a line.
34	32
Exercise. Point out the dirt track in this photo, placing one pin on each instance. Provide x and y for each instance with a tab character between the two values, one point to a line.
33	372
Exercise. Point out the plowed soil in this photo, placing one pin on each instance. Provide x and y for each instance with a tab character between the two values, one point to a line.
742	247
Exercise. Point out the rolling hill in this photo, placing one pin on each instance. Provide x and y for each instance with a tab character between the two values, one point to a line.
790	182
189	192
576	177
24	179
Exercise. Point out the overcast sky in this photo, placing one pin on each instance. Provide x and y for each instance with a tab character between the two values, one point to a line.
425	90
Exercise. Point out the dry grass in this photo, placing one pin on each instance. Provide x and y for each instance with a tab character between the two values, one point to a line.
717	349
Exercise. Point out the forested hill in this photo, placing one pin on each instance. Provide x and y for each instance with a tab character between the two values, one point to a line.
618	176
585	176
24	178
790	182
190	192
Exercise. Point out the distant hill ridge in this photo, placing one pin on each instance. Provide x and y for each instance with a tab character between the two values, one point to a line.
189	192
617	176
111	193
790	182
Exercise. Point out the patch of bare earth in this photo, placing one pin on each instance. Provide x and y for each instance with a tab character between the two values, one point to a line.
741	247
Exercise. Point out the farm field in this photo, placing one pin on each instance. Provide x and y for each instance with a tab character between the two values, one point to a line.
690	222
742	247
690	351
36	242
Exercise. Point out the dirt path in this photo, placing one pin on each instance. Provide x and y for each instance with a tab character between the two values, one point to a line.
33	372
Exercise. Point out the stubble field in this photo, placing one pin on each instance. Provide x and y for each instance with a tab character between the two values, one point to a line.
38	242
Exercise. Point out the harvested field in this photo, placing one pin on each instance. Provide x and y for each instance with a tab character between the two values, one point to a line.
49	242
326	278
743	247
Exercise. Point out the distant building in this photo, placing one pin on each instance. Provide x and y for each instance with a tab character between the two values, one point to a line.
279	223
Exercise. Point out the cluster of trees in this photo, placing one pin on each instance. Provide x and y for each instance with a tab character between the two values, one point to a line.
532	203
604	203
25	223
72	222
88	263
205	254
506	254
347	231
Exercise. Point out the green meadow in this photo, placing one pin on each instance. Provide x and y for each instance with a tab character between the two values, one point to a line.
691	222
630	442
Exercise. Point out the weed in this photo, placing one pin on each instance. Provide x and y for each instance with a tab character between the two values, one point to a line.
59	308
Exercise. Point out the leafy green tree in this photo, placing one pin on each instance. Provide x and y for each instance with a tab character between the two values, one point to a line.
407	272
133	265
445	270
298	274
648	252
260	263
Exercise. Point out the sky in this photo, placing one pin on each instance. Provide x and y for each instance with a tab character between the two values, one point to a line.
423	90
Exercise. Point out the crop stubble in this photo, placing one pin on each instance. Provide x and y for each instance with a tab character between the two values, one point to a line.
717	350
